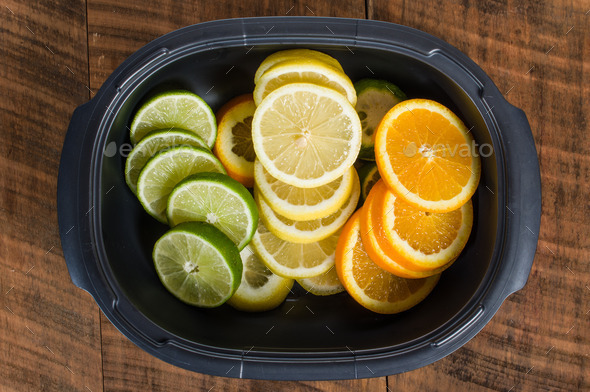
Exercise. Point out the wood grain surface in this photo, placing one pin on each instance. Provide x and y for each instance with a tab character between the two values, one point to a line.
54	56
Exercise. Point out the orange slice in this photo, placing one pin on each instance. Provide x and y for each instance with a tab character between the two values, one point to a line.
377	246
427	156
424	240
371	286
233	146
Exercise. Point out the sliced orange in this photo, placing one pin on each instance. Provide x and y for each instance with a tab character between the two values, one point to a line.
234	146
371	286
377	246
427	156
424	240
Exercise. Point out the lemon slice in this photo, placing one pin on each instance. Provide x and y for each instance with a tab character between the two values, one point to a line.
292	54
306	135
309	230
260	289
304	71
291	260
303	203
327	283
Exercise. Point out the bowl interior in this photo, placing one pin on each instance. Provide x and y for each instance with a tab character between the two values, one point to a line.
303	322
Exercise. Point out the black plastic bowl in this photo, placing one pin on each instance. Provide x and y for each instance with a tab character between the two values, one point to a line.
107	238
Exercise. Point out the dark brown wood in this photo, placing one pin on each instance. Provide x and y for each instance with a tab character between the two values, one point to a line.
537	54
49	329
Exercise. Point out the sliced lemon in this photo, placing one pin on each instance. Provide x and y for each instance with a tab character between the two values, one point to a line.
292	54
309	230
306	135
327	283
303	203
260	289
304	71
291	260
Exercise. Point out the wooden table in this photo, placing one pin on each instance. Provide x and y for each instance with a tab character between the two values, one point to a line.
56	54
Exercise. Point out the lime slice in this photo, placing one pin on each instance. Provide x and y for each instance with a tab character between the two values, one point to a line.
165	170
327	283
153	143
374	99
369	175
260	289
175	109
216	199
198	264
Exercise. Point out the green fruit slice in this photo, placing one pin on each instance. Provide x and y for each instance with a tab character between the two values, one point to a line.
153	143
368	175
217	199
198	264
260	290
374	99
165	170
175	109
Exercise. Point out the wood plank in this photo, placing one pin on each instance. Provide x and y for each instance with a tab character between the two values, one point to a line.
50	331
116	31
536	53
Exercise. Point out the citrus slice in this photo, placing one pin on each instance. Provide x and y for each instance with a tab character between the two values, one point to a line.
324	284
198	264
309	230
374	99
368	175
260	290
165	170
424	240
292	260
371	286
293	54
377	246
304	71
175	109
306	135
303	203
427	156
233	145
217	199
153	143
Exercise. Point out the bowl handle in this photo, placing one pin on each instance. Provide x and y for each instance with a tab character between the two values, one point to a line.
68	204
523	202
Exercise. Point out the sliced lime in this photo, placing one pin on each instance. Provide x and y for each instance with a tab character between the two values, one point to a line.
260	289
217	199
374	99
165	170
175	109
198	264
368	175
153	143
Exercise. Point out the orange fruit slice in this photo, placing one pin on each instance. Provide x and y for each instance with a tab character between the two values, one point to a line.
427	156
371	286
424	240
233	145
377	246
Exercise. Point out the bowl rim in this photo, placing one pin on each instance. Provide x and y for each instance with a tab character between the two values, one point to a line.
79	186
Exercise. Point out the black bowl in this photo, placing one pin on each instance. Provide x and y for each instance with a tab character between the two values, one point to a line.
107	237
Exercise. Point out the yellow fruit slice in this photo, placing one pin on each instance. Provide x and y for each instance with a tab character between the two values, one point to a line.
293	54
291	260
427	156
309	230
327	283
303	203
260	290
371	286
304	71
233	146
424	240
306	135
